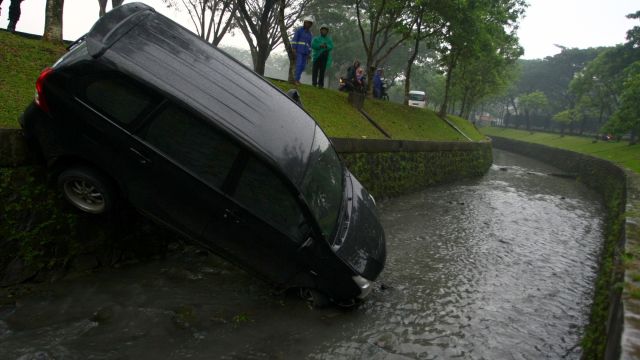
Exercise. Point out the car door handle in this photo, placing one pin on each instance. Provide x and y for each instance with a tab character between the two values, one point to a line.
141	158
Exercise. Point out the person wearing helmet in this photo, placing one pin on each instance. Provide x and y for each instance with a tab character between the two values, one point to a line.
322	46
301	46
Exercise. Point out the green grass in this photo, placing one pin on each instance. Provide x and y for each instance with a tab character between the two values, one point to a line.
339	119
332	112
21	61
618	152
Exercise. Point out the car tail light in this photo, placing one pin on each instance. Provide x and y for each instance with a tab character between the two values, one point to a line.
39	98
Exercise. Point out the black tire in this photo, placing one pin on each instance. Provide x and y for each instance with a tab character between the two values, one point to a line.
87	190
316	298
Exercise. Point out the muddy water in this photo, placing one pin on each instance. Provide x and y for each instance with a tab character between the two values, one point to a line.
495	268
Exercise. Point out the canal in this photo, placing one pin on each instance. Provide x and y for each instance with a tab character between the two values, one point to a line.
500	267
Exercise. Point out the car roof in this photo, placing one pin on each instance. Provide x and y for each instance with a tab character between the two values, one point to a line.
416	92
136	40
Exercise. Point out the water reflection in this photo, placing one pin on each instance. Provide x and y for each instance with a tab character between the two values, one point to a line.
496	268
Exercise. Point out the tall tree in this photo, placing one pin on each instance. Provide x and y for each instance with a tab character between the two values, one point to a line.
383	26
474	28
427	25
259	22
533	104
212	19
627	116
53	20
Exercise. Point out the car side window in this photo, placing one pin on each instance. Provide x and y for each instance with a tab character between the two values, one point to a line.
192	143
117	98
261	191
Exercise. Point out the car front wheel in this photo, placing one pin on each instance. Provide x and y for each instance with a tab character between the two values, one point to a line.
87	190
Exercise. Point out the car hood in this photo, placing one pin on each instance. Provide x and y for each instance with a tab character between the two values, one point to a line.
361	243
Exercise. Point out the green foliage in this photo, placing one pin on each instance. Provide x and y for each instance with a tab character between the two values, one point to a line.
564	117
33	225
533	102
21	61
627	116
478	46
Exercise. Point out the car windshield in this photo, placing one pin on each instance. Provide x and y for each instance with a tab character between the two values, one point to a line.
416	97
322	185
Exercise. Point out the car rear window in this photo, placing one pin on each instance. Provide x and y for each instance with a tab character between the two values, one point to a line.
192	143
118	99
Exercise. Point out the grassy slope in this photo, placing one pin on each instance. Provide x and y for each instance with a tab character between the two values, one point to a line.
21	61
337	118
618	152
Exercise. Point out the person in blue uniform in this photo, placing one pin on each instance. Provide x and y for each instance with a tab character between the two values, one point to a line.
301	46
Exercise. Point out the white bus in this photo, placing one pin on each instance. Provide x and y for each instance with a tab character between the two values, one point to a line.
417	98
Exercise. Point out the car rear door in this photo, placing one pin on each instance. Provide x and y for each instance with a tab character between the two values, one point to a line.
176	165
265	223
107	107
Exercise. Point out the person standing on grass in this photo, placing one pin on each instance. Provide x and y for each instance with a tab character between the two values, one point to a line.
377	84
301	46
321	46
14	15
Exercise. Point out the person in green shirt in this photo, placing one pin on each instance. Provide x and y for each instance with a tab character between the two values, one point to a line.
321	46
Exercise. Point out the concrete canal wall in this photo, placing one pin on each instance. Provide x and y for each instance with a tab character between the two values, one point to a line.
614	329
389	168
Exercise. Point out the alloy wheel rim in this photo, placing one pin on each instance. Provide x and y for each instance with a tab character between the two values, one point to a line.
85	195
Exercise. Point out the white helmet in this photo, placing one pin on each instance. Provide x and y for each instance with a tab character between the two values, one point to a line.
309	19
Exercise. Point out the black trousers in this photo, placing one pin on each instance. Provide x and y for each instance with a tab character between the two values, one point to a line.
319	66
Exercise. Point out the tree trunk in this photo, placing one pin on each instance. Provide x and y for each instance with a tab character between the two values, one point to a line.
447	87
53	21
286	42
261	56
412	58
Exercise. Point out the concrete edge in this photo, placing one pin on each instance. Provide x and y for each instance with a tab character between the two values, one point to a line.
630	338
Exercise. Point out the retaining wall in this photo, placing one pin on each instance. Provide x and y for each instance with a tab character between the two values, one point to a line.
614	329
392	167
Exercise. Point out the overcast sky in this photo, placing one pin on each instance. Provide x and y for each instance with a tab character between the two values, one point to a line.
570	23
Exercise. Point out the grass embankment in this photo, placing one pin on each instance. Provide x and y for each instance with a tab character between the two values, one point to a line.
339	119
618	152
21	61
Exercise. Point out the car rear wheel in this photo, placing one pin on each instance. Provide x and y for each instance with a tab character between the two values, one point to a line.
87	190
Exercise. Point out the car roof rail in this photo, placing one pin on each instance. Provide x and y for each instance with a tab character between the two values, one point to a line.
114	25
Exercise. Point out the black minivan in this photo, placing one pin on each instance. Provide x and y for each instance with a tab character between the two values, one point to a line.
142	109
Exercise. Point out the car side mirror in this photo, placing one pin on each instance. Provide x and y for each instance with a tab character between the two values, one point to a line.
295	96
